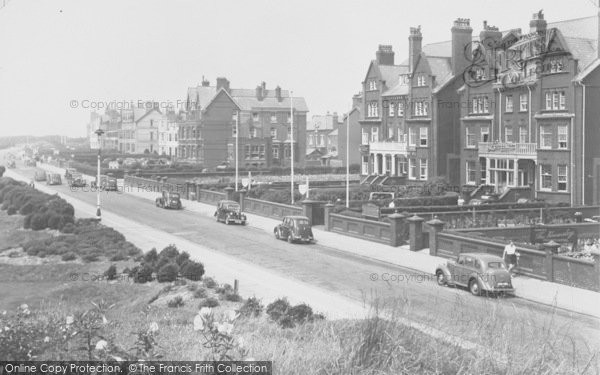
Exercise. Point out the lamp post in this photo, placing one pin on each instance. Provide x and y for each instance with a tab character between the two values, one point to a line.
348	160
292	144
237	131
99	133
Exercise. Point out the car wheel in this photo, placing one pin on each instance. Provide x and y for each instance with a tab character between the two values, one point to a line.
440	278
289	238
227	221
474	287
277	235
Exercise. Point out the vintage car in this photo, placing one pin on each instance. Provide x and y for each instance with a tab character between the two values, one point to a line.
169	200
480	272
294	228
107	183
69	172
53	179
230	212
40	176
76	180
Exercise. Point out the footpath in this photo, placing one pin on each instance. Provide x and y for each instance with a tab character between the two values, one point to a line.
421	263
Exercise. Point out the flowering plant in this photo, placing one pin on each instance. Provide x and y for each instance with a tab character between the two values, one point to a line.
218	335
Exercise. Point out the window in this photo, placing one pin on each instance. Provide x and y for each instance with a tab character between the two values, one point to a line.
365	136
556	66
233	131
562	100
412	137
423	169
273	118
421	108
523	134
374	134
255	116
400	109
563	136
311	139
523	103
273	133
545	177
412	169
508	135
373	110
289	118
555	100
261	151
548	100
423	136
486	105
470	138
391	113
471	173
372	85
253	133
480	104
545	136
390	133
562	178
485	134
247	151
401	136
509	103
276	153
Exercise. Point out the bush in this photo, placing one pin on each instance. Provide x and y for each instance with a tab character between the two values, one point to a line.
11	210
176	302
142	274
232	297
281	312
224	289
89	257
252	307
200	293
278	309
209	282
68	228
168	273
27	222
39	222
69	256
209	302
182	258
169	252
301	313
192	270
111	272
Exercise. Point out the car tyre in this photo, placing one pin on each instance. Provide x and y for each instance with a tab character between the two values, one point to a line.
227	221
290	239
441	278
277	234
474	287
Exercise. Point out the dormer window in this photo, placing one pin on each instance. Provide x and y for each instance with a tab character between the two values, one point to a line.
372	85
421	81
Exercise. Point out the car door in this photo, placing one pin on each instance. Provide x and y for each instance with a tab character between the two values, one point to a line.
461	270
285	227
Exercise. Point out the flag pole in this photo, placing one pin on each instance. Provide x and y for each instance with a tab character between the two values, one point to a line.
348	160
237	135
292	144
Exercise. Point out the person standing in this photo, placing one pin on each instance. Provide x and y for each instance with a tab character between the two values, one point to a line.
510	256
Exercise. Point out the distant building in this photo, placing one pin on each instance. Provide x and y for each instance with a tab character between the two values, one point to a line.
139	129
168	135
321	144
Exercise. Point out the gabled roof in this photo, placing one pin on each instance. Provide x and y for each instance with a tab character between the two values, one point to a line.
439	49
222	91
146	114
200	96
391	73
248	101
441	68
586	27
590	68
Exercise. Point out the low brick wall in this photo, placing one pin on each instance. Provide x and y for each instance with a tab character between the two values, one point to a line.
209	196
362	228
538	264
148	185
270	209
523	233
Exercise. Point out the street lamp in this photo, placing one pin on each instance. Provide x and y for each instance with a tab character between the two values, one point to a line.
99	133
237	130
292	144
348	159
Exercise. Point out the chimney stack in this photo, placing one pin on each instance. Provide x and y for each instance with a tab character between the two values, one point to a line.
222	82
461	45
356	100
385	55
261	91
538	23
598	40
278	93
205	82
415	39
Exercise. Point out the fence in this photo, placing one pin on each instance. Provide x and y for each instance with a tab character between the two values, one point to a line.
270	209
375	231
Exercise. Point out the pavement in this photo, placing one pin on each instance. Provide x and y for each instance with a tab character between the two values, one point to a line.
551	294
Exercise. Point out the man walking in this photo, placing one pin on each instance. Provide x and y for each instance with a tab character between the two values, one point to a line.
510	252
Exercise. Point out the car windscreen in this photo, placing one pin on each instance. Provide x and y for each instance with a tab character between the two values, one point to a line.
302	222
174	195
496	265
233	207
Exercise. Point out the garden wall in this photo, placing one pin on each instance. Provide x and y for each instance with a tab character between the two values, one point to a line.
362	228
270	209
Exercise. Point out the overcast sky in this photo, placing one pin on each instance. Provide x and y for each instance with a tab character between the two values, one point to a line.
55	55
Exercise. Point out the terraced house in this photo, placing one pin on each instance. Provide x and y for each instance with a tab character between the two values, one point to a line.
530	112
409	121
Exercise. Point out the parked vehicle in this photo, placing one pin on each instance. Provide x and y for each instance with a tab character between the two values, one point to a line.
169	200
107	183
294	228
76	180
69	172
39	176
230	212
480	272
53	179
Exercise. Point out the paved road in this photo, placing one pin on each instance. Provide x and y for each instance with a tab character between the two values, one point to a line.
451	310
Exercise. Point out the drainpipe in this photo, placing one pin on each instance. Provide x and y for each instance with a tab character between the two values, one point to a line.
573	164
582	144
529	113
499	116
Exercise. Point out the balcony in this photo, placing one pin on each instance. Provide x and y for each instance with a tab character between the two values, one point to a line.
390	147
508	149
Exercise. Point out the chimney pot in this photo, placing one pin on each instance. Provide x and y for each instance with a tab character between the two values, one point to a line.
461	44
385	55
415	39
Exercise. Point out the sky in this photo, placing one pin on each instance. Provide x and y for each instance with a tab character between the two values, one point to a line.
61	59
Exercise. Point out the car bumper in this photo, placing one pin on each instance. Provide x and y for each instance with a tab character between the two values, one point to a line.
501	289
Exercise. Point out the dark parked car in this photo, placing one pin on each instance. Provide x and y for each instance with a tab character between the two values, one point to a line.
230	212
40	176
53	179
480	272
294	228
107	183
76	180
69	172
169	200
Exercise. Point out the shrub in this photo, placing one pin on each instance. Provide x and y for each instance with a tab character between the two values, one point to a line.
11	210
169	252
252	307
111	272
209	302
176	302
27	222
182	258
192	270
301	313
232	297
151	256
27	209
39	221
192	287
120	255
69	256
68	228
200	293
278	309
55	221
168	272
209	282
141	274
224	289
89	257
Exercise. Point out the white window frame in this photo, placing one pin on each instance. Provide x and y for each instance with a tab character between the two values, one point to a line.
423	136
470	137
390	133
275	152
562	178
391	110
423	169
523	103
273	118
485	130
400	109
374	134
555	99
469	170
543	133
523	134
412	136
509	105
508	135
273	133
365	136
563	137
548	96
542	175
412	169
562	100
255	116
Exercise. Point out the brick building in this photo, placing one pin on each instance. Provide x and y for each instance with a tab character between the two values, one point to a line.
529	112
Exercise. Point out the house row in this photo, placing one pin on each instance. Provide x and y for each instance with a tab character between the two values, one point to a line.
511	109
214	120
329	136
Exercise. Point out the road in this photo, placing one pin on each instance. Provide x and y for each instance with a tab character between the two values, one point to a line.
451	310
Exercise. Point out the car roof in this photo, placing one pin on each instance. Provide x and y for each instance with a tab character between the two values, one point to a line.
483	256
296	217
228	201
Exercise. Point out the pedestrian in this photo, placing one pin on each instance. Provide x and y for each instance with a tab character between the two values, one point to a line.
32	184
510	256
